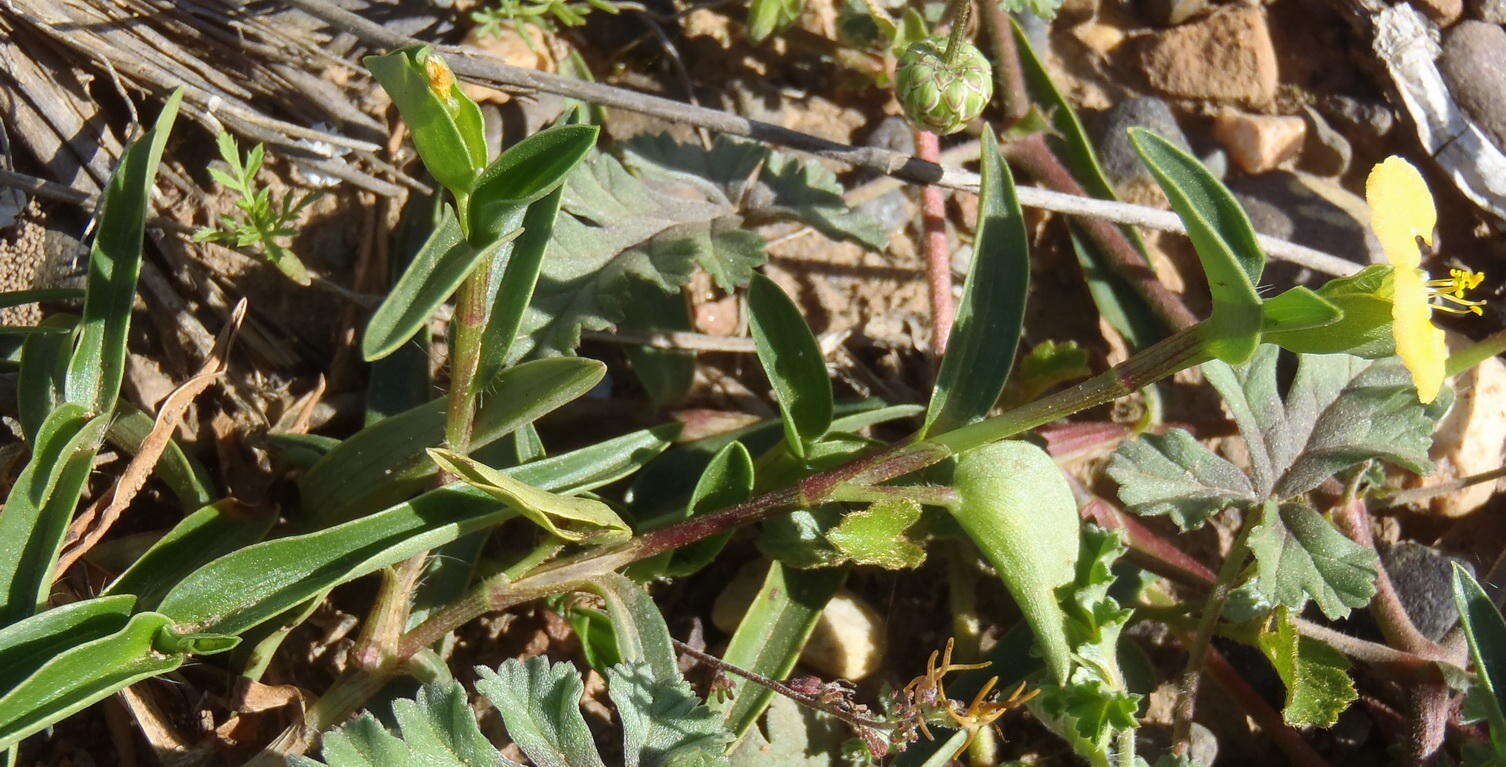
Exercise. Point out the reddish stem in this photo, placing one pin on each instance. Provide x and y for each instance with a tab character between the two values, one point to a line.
938	257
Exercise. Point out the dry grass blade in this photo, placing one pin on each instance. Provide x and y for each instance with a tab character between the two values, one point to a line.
86	531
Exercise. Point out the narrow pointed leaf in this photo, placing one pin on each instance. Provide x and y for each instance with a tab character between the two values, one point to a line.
514	287
79	676
525	173
1223	237
1486	632
257	583
444	262
642	636
98	362
772	634
792	360
981	348
202	537
26	645
40	506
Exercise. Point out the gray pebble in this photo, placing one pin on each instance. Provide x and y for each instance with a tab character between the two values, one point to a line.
1423	577
1326	152
1115	151
1474	66
1307	210
1368	115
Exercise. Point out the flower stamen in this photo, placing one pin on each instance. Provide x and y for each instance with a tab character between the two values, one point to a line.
1452	291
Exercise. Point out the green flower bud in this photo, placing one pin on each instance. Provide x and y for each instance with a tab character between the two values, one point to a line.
938	96
1364	330
445	123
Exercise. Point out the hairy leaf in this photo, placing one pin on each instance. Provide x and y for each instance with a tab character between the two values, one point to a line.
663	723
201	537
642	636
659	212
1173	474
1318	687
437	729
540	704
792	736
876	535
1340	411
1299	554
1486	632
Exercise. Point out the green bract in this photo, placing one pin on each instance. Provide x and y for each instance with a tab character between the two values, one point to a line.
939	96
446	123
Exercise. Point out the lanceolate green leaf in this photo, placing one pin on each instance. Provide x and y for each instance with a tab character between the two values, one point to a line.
792	360
981	348
444	262
1119	304
642	636
385	461
40	506
514	288
540	704
77	677
44	368
1018	509
1318	687
1486	632
26	645
727	481
1223	237
256	583
771	635
1299	554
200	538
98	362
525	173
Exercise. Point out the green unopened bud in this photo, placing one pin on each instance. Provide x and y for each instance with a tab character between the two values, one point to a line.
1364	330
939	96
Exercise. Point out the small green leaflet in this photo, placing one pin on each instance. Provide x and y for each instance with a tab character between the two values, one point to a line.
663	722
437	730
1298	554
561	515
876	535
1318	687
1175	475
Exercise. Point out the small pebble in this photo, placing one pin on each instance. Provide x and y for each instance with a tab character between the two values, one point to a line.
1259	143
1474	66
1423	577
1326	151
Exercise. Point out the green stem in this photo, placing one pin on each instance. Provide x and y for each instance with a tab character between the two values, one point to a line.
961	10
1178	352
1197	652
1125	747
1476	353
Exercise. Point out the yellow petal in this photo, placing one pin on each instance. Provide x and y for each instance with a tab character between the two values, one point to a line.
1401	210
1419	344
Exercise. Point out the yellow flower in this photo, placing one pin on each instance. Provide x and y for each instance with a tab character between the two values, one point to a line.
1401	211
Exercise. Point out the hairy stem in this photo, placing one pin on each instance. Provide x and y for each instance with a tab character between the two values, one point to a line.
961	12
1353	520
1007	71
933	239
1197	650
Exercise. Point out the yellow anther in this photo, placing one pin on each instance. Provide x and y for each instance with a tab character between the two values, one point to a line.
1452	291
